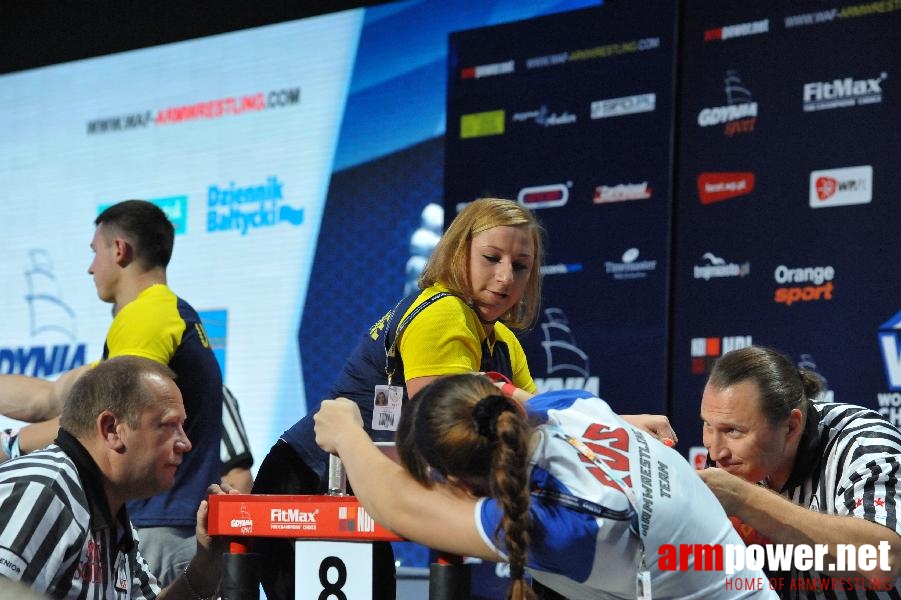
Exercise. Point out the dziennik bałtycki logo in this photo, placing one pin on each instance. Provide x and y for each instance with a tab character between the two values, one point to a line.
246	207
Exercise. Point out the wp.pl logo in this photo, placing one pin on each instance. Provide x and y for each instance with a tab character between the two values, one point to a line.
841	187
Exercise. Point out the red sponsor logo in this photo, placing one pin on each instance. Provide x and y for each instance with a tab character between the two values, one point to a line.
713	34
826	187
705	350
739	30
841	187
544	196
489	70
715	187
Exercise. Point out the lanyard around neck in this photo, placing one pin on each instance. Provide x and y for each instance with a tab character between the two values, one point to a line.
391	362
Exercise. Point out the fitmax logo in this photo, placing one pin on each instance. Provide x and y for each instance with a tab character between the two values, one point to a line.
293	515
890	344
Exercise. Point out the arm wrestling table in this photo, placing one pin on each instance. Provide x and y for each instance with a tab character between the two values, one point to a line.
335	532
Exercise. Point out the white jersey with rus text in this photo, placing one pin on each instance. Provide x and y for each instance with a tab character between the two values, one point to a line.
589	550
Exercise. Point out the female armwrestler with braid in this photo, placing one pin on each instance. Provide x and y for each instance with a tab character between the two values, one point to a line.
558	485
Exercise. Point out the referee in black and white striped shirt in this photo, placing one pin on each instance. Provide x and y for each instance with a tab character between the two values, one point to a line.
64	526
802	472
234	450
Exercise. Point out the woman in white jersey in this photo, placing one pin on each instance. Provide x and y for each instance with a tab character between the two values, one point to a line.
559	485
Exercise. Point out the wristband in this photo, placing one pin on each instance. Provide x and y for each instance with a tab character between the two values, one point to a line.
496	377
14	450
9	438
507	389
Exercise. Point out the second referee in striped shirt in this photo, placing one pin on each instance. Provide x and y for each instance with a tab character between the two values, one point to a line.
64	524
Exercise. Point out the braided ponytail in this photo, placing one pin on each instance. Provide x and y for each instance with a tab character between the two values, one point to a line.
461	427
509	485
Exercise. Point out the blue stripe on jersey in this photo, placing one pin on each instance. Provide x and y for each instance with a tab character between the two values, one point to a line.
568	547
539	405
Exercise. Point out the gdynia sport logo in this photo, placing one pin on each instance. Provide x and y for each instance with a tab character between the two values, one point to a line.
734	558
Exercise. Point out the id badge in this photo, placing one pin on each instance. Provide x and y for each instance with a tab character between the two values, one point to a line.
122	577
386	405
643	585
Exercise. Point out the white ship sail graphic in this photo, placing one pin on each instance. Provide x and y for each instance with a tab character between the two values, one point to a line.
560	348
47	310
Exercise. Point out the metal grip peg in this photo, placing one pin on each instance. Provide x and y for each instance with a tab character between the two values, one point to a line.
337	478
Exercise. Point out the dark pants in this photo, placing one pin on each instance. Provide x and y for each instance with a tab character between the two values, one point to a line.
283	472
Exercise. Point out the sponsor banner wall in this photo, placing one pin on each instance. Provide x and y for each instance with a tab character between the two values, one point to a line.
787	197
572	116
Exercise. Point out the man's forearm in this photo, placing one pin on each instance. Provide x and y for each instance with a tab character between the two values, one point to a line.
784	522
26	398
36	436
32	399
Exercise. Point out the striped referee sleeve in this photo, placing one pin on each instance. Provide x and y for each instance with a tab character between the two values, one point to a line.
863	464
856	476
142	577
235	447
41	522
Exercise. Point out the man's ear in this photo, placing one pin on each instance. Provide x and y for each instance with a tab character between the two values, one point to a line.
123	252
795	425
108	425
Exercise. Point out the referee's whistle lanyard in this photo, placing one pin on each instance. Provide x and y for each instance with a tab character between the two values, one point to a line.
643	577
